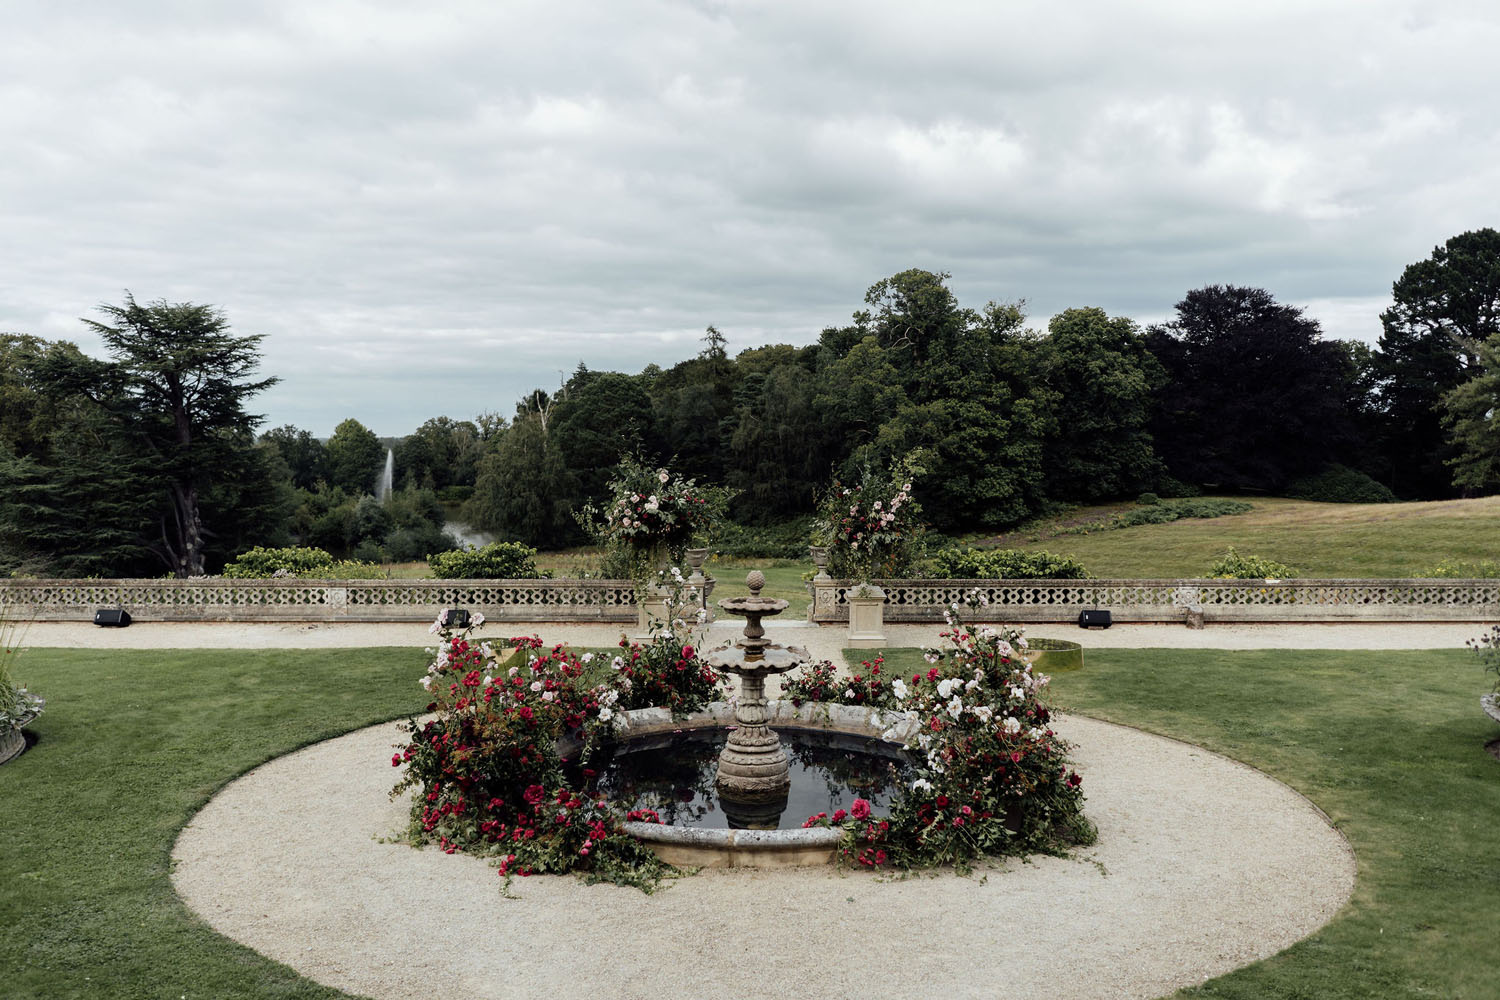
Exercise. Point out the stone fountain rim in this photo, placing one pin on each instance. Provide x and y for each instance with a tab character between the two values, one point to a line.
742	846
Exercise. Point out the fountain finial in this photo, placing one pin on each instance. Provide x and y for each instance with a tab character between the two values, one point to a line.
755	580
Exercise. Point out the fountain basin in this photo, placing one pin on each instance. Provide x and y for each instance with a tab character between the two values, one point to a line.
698	847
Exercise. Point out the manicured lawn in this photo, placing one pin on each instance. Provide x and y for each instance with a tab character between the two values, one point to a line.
1316	539
131	744
1389	744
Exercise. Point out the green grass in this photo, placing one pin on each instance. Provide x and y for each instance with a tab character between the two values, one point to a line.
1317	539
1389	744
130	746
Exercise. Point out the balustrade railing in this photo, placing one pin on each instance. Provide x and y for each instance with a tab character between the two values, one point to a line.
1174	600
218	599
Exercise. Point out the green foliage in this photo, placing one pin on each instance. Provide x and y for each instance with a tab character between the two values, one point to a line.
1104	381
1340	484
17	704
1163	512
872	526
439	455
1487	648
304	562
355	457
1002	564
1471	412
784	540
1233	566
1148	499
496	561
304	455
1254	396
1444	308
1465	569
525	491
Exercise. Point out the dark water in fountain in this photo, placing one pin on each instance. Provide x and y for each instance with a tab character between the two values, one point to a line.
674	774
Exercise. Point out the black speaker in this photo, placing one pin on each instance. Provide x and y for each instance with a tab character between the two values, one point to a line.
1097	618
456	618
113	617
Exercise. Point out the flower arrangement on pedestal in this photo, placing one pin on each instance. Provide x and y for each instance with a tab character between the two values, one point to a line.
993	778
653	513
489	777
872	525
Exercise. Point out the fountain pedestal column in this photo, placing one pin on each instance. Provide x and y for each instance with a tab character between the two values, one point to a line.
754	772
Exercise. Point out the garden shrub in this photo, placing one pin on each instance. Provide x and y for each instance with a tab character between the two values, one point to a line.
417	542
1003	564
261	562
1164	512
1465	569
1148	499
822	682
1233	566
1340	484
787	540
495	561
305	563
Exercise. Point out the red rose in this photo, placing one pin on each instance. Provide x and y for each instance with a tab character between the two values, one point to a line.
860	809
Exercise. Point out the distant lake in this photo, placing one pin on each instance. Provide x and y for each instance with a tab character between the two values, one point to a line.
466	536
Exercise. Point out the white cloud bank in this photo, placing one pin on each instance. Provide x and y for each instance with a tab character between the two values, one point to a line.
432	208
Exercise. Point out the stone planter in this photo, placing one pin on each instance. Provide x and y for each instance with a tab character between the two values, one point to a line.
1491	705
867	617
13	741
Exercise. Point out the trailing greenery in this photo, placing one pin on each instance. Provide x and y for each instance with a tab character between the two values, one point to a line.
16	702
496	561
1340	484
1002	564
1233	566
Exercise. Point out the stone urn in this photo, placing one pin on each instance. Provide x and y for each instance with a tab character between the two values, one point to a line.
866	617
819	555
12	740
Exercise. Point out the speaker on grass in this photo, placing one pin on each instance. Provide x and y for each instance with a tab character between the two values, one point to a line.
1094	618
113	617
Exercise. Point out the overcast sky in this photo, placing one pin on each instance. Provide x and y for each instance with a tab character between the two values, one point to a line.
431	208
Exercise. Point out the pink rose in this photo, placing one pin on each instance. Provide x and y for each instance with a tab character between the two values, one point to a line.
860	809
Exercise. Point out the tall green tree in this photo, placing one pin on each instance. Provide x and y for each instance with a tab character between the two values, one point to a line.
1444	308
355	457
602	417
1254	396
523	490
1472	414
1104	381
174	388
305	457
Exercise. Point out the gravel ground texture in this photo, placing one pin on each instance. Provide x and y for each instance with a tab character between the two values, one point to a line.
1202	865
823	641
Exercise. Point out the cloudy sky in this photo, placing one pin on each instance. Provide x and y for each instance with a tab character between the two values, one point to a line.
431	208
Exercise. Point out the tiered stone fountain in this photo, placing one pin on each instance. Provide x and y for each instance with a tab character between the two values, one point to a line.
753	775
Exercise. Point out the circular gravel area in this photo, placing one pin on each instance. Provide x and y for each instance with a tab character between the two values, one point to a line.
1202	865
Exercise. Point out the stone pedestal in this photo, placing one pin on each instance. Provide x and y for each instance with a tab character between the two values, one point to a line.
698	580
653	613
1194	615
867	617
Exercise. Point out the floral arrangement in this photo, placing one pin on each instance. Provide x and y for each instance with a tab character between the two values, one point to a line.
489	776
18	706
821	682
1487	648
651	511
993	778
872	526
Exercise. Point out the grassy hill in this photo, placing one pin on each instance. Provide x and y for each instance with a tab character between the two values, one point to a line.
1316	539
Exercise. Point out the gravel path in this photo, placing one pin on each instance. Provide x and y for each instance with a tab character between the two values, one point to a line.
1202	865
822	641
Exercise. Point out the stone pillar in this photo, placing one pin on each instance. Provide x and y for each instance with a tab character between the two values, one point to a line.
866	617
698	579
